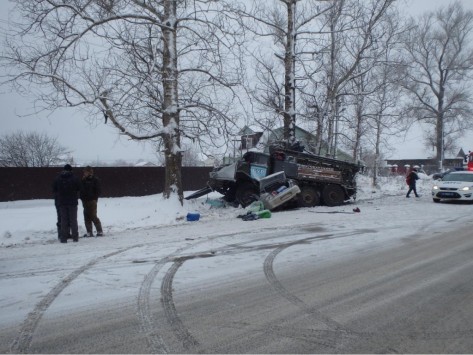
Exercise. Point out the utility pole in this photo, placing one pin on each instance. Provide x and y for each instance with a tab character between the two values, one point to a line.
441	147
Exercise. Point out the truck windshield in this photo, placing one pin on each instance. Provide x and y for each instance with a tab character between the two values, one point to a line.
256	158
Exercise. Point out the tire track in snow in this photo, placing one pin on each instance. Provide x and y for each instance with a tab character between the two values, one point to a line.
278	286
150	324
338	331
22	342
178	327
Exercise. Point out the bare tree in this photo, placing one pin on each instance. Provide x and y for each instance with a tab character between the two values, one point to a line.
351	43
384	112
281	27
439	63
316	44
375	94
157	70
33	149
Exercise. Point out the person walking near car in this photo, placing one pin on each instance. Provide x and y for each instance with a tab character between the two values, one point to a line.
89	194
411	179
66	188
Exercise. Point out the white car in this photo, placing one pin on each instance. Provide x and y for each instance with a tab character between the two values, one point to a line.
455	186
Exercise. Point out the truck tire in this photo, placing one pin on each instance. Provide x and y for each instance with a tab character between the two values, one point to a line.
333	195
246	193
308	197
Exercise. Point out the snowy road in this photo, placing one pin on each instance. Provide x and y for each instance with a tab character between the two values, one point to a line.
396	277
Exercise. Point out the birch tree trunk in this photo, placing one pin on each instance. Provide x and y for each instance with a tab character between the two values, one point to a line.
289	76
171	137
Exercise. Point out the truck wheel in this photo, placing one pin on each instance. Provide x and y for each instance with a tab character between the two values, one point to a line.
246	193
333	195
308	197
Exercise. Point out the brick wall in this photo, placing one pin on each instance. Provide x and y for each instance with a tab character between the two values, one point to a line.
36	183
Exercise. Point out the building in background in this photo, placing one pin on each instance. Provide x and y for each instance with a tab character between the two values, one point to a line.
429	165
251	139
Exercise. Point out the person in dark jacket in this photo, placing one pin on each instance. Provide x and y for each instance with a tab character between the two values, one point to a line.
66	189
58	213
413	177
89	194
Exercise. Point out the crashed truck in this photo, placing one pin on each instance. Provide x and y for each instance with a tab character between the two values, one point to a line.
285	176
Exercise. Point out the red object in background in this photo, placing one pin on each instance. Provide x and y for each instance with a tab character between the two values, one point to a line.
469	161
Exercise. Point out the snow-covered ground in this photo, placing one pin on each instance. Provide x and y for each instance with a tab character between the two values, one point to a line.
35	269
34	221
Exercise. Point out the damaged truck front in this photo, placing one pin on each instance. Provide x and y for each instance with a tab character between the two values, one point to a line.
320	180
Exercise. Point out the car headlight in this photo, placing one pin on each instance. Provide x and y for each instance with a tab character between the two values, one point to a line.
466	188
435	187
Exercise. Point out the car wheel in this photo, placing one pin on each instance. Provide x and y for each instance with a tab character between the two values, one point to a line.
333	195
246	193
308	197
436	200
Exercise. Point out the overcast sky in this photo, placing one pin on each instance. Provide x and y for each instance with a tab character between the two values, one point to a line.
102	142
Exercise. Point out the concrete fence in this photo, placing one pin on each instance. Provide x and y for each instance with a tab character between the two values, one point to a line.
36	183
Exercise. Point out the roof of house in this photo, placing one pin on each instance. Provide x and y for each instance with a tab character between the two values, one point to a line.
145	163
246	130
306	138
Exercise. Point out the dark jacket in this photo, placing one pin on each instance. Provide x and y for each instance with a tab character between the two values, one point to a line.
66	189
90	188
412	178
